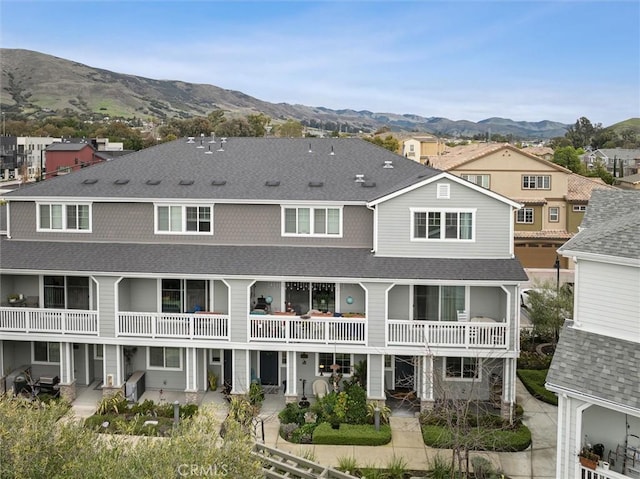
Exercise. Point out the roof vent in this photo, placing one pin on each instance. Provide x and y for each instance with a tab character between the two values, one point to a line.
186	182
121	182
221	147
316	184
218	182
332	152
359	178
388	164
209	152
190	139
272	183
223	139
368	184
213	137
201	145
90	181
310	151
153	182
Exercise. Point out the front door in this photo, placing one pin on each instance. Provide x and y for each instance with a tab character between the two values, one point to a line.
228	367
269	368
404	373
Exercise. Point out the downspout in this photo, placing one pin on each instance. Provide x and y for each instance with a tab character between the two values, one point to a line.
375	228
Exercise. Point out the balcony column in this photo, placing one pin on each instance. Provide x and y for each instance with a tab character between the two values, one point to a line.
291	391
241	371
427	400
67	373
191	372
2	372
112	372
508	399
375	378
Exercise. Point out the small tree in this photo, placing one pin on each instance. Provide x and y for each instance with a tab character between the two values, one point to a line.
549	306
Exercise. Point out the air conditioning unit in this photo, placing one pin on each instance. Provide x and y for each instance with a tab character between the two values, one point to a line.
109	380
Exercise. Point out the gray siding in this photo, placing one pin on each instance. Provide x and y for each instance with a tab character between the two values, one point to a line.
492	225
375	383
107	306
399	297
239	309
233	225
111	363
376	313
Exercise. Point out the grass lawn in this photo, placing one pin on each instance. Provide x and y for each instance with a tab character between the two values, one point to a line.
533	380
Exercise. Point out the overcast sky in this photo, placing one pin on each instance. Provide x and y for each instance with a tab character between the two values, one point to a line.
462	60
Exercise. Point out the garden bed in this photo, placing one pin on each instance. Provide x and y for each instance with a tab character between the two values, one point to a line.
534	380
352	434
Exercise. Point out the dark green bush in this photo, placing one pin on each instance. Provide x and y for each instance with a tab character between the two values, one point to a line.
352	434
287	431
511	439
303	434
533	360
533	380
356	405
292	413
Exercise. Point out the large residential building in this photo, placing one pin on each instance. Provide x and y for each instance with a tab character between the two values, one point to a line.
554	199
596	367
275	260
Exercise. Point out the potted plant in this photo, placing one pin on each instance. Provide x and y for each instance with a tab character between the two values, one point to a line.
213	380
12	298
588	458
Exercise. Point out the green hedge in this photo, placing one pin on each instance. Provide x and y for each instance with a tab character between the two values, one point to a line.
480	439
533	380
352	435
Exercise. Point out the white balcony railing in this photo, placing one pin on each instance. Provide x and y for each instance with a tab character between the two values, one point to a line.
446	333
54	321
600	473
164	325
286	329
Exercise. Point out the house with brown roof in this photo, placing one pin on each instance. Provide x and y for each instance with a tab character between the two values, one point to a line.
421	148
554	199
543	152
631	182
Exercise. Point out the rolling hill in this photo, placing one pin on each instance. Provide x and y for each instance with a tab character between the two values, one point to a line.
37	84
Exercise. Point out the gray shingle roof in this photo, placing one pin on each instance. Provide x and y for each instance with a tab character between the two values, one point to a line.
611	225
61	146
251	261
600	366
246	164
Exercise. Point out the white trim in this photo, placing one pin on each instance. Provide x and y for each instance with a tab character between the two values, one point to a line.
328	371
209	357
448	176
164	359
443	225
311	209
598	258
95	352
33	357
462	379
63	205
183	218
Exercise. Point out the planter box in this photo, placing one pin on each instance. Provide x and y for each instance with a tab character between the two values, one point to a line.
588	463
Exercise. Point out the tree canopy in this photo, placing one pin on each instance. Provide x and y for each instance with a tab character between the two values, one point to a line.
389	142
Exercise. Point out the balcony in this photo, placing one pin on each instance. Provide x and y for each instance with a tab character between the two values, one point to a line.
600	473
175	325
294	329
447	334
51	321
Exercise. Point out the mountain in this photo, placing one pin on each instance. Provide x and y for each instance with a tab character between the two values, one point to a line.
35	84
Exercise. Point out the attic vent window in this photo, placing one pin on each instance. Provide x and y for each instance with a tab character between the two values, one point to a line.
90	181
444	191
359	178
186	182
369	184
153	182
272	183
121	182
388	164
219	182
316	184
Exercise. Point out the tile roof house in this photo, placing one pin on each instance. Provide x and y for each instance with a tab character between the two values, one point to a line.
263	260
596	367
631	182
554	199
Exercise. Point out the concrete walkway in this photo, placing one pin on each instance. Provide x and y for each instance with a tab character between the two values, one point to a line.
537	462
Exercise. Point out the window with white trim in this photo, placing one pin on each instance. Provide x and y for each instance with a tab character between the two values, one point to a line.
98	351
311	221
554	214
164	358
480	180
579	208
45	353
446	225
215	356
443	191
184	219
462	368
536	182
64	217
524	215
326	360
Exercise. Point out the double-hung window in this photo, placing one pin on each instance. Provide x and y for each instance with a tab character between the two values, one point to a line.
311	221
183	219
326	360
448	225
164	358
65	217
536	182
480	180
45	353
524	215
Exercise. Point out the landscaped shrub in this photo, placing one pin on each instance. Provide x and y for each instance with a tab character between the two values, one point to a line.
303	434
533	380
287	430
508	439
533	360
356	405
352	434
292	413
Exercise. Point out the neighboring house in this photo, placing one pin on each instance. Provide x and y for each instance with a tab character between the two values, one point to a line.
626	160
596	367
263	258
543	152
554	198
30	153
631	182
63	158
421	148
